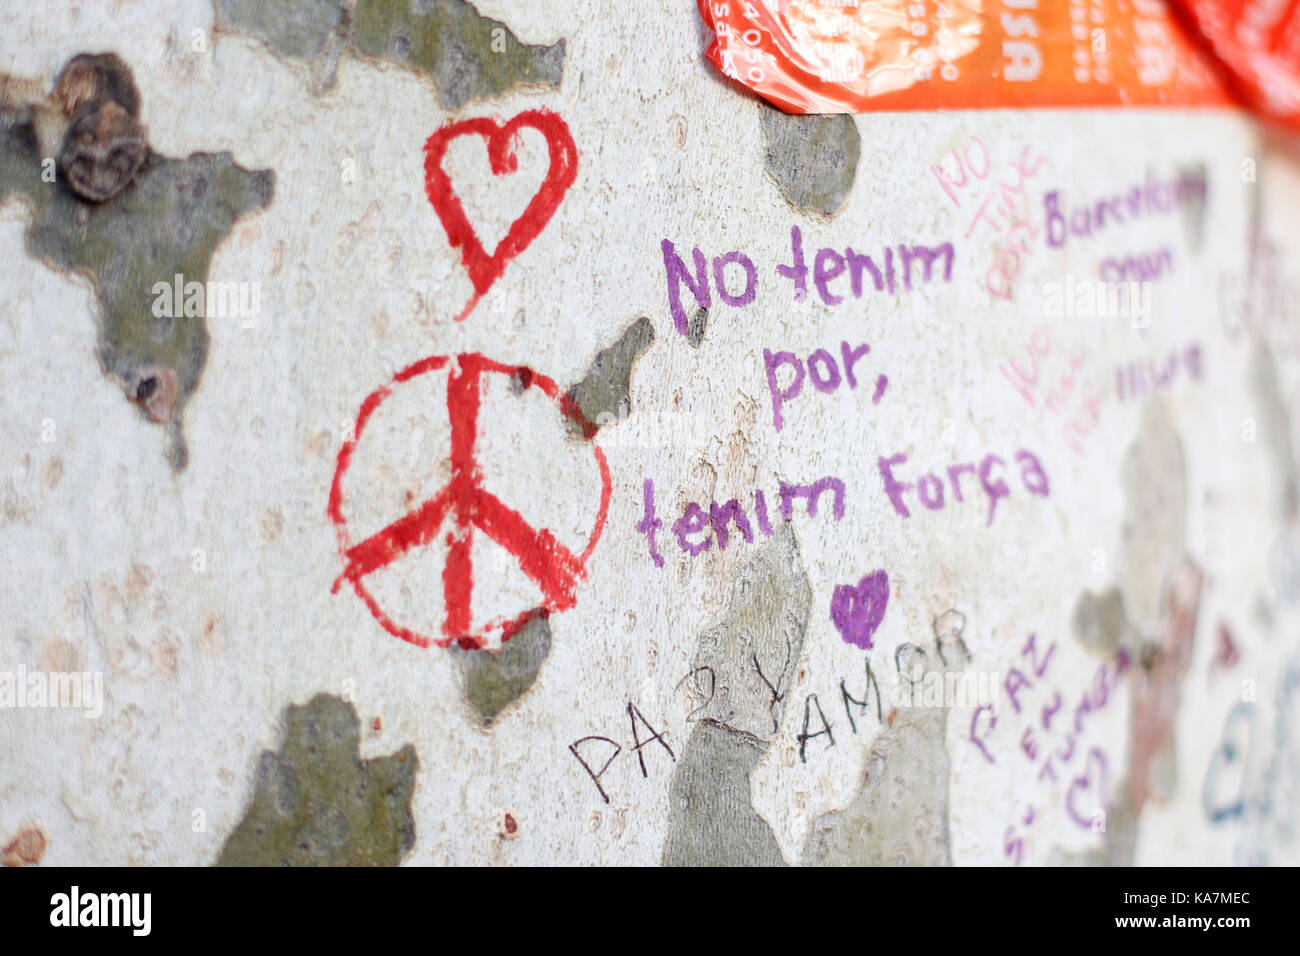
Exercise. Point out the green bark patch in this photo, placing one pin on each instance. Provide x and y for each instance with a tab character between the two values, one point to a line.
468	56
317	803
604	395
168	222
496	679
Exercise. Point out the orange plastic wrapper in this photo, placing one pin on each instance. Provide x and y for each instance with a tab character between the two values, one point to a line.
849	56
1260	41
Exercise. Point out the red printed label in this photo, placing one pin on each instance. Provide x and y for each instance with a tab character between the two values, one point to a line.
1260	41
846	56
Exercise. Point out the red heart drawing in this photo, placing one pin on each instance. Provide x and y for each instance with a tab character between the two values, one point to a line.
485	269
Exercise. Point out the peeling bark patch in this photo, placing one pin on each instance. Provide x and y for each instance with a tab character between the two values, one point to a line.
1158	686
25	849
469	56
155	390
754	654
1153	614
713	820
1099	620
168	222
1157	690
899	816
1159	600
496	679
813	158
604	394
316	803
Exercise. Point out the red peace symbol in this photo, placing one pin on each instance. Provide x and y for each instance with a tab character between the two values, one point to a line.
547	562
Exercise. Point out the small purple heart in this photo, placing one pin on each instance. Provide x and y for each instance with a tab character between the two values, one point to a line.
856	610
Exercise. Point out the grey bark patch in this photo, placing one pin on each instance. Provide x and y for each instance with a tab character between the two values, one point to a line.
324	66
1118	845
495	680
1193	209
1157	686
1161	590
754	650
812	158
1099	620
1154	478
1276	427
713	821
294	28
604	394
316	803
169	221
469	56
695	330
899	816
